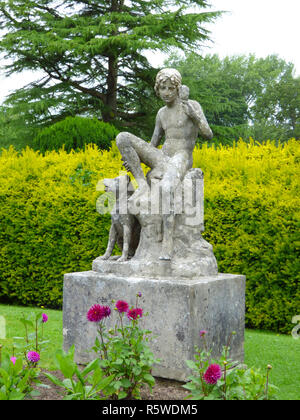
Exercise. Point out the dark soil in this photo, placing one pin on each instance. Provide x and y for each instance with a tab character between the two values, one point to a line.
164	389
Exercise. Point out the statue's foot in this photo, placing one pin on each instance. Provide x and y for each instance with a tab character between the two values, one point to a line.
165	257
122	258
104	257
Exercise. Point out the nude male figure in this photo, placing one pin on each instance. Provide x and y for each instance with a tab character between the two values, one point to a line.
179	121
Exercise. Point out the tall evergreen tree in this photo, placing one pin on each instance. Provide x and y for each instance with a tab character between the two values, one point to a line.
92	52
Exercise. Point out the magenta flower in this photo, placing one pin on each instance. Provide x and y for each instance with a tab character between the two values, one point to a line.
135	313
122	306
202	333
44	317
212	374
97	312
13	359
33	356
106	311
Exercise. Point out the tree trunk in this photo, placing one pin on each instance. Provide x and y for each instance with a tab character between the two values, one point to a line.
111	96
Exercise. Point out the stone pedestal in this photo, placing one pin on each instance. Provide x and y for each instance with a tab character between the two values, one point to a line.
178	309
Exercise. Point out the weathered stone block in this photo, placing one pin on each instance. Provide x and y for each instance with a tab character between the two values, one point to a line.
178	309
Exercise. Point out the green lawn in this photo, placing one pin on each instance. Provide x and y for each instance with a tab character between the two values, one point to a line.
261	348
52	330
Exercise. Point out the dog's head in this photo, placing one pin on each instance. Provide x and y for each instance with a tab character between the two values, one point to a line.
119	183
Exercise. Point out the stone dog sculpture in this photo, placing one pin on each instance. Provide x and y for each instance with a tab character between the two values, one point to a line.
125	228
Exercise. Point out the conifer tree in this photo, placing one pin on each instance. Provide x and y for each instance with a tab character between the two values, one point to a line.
91	53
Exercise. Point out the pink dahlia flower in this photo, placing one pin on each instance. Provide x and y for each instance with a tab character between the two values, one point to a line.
44	317
33	356
135	313
106	311
122	306
97	312
212	374
13	359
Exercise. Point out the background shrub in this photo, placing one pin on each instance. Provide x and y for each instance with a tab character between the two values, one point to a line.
74	133
48	220
49	224
252	213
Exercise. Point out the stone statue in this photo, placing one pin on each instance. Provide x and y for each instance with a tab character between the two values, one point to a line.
170	262
180	121
168	203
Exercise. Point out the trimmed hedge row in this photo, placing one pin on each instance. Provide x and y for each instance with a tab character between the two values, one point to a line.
49	224
48	220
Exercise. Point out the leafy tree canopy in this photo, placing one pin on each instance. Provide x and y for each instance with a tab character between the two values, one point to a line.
92	52
252	95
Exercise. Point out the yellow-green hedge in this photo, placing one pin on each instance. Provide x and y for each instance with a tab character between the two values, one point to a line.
49	224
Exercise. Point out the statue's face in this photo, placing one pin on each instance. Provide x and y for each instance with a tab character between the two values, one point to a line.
167	91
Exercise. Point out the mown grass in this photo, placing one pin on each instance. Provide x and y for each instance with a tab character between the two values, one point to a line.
14	328
262	348
282	352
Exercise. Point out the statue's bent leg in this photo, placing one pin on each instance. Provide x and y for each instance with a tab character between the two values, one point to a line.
134	151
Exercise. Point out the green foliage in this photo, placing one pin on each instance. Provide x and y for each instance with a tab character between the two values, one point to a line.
89	383
279	106
49	222
91	53
15	379
33	338
252	220
74	133
227	135
243	96
13	130
18	373
235	382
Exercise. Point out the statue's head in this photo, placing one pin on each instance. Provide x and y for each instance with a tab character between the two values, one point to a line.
167	74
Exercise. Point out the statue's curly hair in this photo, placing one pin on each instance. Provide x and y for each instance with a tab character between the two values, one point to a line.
167	74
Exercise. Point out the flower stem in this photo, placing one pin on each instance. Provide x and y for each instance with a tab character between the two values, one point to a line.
122	327
26	331
267	382
102	341
225	372
228	346
36	336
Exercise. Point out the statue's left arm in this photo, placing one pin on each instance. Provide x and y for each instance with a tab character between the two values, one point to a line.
194	111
